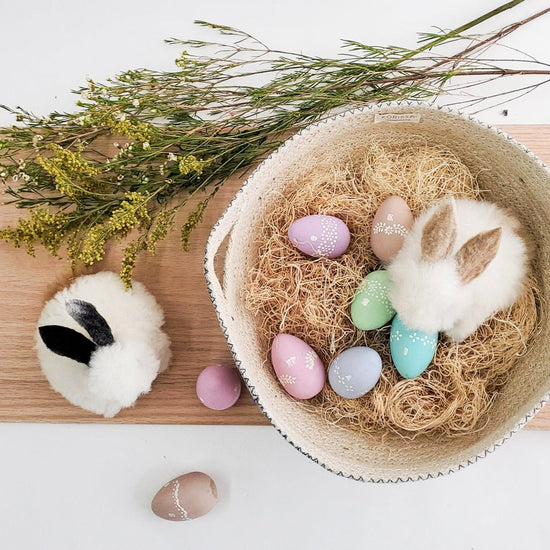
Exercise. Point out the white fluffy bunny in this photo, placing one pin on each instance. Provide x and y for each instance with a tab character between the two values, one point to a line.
101	346
462	261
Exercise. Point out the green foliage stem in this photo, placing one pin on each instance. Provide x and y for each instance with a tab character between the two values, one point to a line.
179	134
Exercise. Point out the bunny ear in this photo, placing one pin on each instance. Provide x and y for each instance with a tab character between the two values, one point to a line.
477	253
87	316
67	342
439	233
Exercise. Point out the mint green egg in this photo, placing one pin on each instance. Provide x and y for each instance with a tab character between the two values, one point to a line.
371	308
411	350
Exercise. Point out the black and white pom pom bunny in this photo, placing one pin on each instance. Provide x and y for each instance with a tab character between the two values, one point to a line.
462	261
101	346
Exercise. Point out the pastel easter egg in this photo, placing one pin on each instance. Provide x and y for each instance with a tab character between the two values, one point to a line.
218	387
392	221
320	236
371	308
411	350
297	367
355	371
186	497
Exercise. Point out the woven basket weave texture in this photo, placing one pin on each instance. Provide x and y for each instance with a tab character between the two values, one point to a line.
512	176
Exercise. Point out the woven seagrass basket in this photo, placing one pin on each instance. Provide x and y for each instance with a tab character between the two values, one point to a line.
514	178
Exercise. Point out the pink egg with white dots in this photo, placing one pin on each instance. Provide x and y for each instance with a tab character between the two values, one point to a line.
219	387
297	366
320	236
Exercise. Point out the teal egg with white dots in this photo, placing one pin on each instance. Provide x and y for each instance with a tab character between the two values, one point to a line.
371	308
411	350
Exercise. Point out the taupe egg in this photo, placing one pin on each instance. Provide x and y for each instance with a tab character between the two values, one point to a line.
392	221
186	497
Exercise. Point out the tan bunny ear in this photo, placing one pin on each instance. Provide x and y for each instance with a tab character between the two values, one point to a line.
439	233
477	253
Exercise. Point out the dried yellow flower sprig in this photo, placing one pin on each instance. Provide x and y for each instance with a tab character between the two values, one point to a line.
177	134
131	214
73	175
41	227
88	246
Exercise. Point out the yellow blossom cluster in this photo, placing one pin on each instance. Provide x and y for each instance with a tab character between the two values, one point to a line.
192	221
134	130
73	175
42	226
92	248
120	125
164	222
131	253
131	213
190	163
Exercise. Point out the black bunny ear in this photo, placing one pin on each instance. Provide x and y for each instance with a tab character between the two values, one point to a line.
67	342
87	316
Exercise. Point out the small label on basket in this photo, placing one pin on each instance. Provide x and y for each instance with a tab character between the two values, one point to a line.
396	117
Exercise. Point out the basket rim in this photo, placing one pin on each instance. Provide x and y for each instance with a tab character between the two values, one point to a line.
209	275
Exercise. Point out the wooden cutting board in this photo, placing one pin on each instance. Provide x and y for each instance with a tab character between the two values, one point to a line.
176	279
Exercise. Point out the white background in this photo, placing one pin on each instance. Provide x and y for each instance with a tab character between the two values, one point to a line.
90	486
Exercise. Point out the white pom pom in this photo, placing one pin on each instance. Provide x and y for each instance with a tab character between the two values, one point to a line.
120	373
101	346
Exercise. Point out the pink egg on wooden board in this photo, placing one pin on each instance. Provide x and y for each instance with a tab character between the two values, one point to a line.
320	236
219	387
297	366
392	221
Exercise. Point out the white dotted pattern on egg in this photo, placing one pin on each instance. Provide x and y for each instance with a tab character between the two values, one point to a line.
390	228
287	380
329	236
181	510
412	350
378	289
310	360
423	339
320	236
344	381
355	371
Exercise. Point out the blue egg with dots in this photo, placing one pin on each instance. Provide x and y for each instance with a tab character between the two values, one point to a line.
355	371
411	350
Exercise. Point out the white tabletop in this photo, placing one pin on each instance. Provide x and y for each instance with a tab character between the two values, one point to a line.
90	486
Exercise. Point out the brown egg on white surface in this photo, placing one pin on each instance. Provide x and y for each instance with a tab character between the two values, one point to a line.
392	221
186	497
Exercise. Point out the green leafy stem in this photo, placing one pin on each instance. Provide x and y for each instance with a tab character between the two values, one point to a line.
143	144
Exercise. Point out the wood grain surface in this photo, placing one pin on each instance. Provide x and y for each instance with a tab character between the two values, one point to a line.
176	279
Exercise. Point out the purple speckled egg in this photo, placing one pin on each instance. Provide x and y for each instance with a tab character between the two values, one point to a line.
297	366
320	236
219	387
